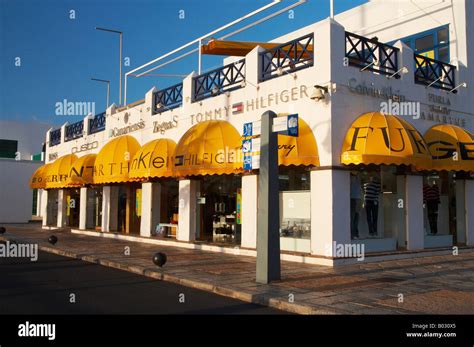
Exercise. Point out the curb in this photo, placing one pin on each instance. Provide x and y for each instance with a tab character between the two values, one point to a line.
259	299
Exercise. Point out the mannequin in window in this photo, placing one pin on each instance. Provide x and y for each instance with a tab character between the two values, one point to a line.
371	201
431	200
356	196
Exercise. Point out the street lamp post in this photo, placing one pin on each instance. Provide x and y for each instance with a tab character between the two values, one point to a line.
108	88
120	53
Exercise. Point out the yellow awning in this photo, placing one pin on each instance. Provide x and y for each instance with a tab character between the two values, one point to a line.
209	148
113	162
38	179
154	159
300	150
58	171
451	147
375	138
82	171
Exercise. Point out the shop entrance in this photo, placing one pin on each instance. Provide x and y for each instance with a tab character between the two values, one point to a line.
166	209
52	208
217	209
72	207
129	208
94	208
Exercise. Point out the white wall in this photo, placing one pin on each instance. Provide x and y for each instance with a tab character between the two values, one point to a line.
30	136
16	196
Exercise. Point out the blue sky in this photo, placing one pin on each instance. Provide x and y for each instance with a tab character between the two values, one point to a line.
59	55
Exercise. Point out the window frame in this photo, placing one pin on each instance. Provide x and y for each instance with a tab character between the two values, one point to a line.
410	41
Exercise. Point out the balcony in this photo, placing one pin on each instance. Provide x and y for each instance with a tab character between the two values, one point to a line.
55	137
434	73
372	55
168	99
286	58
97	124
218	81
74	131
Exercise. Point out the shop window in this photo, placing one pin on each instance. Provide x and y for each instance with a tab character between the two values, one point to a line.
52	208
168	209
375	206
293	178
295	211
439	209
217	209
94	208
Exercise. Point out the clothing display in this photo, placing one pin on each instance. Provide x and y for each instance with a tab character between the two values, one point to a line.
371	196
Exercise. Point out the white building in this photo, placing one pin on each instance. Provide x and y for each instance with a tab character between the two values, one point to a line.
381	95
21	145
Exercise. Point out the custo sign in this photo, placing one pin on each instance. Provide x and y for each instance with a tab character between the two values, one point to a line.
85	147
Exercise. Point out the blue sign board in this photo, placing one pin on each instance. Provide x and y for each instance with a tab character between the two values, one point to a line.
292	125
248	129
247	162
247	146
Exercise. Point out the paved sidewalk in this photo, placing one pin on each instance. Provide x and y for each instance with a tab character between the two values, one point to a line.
438	284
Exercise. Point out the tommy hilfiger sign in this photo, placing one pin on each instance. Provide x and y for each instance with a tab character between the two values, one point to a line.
269	100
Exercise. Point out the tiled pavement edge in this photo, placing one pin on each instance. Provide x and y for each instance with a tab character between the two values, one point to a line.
436	284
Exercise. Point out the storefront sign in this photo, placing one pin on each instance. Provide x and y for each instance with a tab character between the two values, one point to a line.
252	162
85	147
255	104
252	128
219	157
286	125
128	129
164	126
251	145
383	93
394	143
53	156
148	160
439	111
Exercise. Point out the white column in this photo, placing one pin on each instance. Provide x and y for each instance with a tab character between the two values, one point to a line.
151	207
249	211
414	215
469	203
62	205
109	208
330	210
105	208
90	209
44	207
38	202
400	226
460	211
187	210
83	208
